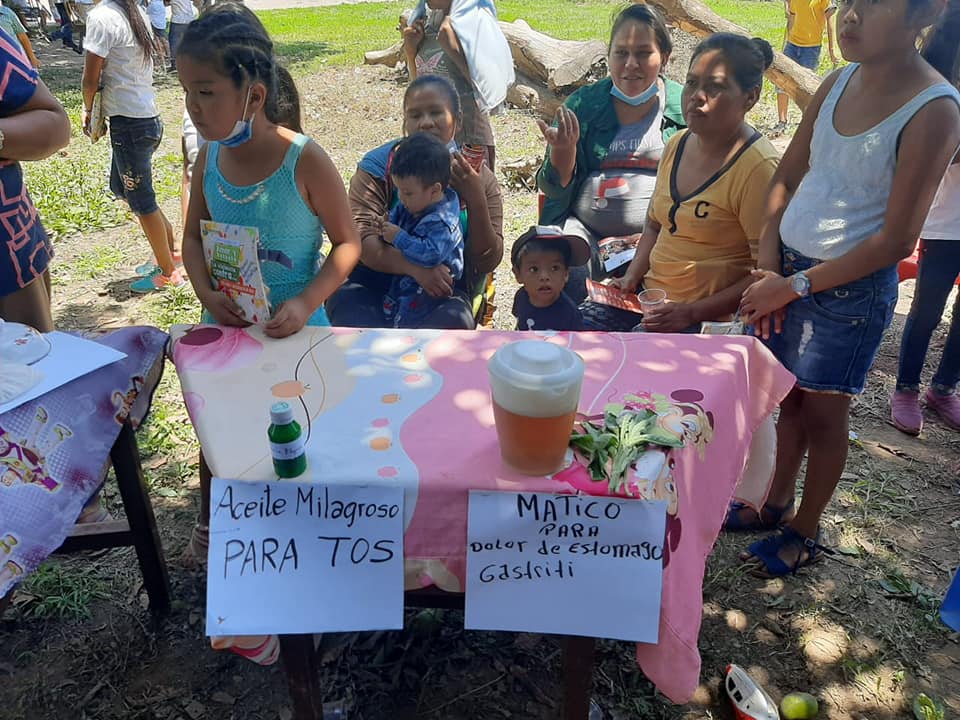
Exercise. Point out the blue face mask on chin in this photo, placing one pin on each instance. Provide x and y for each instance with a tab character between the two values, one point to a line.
635	100
242	129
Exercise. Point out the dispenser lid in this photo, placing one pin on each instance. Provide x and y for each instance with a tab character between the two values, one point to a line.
21	344
536	364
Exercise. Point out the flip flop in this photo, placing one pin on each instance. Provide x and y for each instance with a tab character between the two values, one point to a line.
779	516
764	555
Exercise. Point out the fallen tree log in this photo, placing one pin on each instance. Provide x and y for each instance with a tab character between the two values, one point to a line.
562	65
547	69
697	19
390	57
528	94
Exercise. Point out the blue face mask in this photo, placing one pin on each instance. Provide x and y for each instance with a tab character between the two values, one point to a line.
635	100
242	129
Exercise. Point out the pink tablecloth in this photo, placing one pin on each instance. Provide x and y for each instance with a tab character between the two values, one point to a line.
413	408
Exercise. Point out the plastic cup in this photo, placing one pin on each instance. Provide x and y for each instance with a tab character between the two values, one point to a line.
651	300
535	386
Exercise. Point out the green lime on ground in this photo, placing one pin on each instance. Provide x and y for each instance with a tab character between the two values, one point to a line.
799	706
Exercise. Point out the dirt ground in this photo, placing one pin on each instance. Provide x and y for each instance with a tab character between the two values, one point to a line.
859	631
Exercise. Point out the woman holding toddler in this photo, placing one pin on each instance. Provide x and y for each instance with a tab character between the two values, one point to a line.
430	105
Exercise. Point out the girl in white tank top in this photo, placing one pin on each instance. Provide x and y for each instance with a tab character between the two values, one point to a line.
845	205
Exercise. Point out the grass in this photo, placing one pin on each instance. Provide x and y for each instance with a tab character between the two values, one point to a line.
70	188
339	35
312	38
62	591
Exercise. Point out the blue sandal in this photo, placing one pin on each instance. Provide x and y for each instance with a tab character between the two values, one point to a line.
779	515
767	553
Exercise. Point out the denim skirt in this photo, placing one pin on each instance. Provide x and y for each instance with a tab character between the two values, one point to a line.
830	338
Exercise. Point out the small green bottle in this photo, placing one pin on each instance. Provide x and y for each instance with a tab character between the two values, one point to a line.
286	442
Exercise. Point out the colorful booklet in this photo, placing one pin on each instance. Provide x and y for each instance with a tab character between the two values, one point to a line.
606	295
232	255
617	251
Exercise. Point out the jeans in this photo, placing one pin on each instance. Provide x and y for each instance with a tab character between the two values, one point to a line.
65	31
134	140
830	338
356	305
808	57
176	33
936	275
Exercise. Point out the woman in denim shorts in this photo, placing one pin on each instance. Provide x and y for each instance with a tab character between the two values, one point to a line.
119	49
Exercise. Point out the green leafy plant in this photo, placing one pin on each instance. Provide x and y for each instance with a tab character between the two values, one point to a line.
613	444
60	590
926	708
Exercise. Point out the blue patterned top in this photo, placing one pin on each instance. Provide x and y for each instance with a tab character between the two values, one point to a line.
287	225
25	250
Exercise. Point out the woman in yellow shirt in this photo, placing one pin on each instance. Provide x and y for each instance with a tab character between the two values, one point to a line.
699	243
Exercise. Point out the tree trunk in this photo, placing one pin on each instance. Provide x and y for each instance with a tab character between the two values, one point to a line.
390	57
696	18
547	69
530	94
563	65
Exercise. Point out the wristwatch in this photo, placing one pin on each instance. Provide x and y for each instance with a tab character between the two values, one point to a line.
1	139
800	284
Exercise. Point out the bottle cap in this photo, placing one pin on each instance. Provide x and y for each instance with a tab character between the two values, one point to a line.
281	413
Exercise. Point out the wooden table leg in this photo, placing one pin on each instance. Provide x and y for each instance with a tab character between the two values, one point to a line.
577	676
300	663
143	525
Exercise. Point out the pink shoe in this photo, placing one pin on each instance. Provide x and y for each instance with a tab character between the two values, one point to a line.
946	406
905	412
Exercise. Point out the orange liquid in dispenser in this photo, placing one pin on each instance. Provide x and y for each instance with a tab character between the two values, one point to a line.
532	445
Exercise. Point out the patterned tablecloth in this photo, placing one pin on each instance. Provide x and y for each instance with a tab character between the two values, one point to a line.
414	409
54	450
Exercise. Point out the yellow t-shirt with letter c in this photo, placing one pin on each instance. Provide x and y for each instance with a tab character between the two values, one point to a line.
809	21
709	239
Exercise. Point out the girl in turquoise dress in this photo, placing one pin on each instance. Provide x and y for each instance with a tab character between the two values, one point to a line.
255	173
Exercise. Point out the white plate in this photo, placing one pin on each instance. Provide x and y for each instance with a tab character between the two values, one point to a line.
21	344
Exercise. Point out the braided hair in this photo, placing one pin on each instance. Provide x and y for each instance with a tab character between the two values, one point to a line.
229	36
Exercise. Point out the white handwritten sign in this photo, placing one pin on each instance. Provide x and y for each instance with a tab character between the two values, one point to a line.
565	564
289	557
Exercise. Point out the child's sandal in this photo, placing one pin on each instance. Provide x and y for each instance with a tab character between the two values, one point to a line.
764	555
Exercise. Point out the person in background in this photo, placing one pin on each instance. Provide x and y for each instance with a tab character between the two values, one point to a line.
157	12
65	32
33	126
541	260
82	9
119	58
806	21
460	40
10	23
182	13
937	272
846	204
604	148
